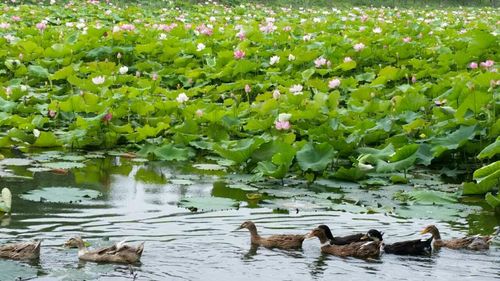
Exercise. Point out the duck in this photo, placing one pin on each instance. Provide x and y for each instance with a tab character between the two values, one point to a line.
410	247
21	251
363	250
283	241
118	253
475	243
344	240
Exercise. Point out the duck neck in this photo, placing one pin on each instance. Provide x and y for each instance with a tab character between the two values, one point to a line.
323	239
81	248
435	233
253	233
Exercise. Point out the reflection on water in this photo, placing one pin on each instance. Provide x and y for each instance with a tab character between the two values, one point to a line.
140	202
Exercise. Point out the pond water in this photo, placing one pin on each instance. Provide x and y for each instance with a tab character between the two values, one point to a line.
186	216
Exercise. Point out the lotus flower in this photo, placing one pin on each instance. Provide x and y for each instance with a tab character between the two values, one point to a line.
239	54
282	125
98	80
274	60
359	47
200	47
334	83
473	65
296	89
182	98
123	70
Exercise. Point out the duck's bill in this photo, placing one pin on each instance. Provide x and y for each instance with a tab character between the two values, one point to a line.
364	238
424	231
309	235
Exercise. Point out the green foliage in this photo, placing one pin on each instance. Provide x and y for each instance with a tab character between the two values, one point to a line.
176	91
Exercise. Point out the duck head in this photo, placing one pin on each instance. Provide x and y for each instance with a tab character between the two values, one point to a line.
373	235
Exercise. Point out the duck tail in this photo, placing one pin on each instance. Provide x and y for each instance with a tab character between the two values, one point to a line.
38	244
140	249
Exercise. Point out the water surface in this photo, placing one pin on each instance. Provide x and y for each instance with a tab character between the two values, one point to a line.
143	201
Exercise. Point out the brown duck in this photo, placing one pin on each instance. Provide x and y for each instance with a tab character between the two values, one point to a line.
469	242
21	251
283	241
363	250
118	253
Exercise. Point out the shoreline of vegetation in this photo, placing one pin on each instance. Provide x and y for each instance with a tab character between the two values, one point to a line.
352	94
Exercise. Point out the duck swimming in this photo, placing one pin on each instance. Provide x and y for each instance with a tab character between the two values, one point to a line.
21	251
468	242
118	253
363	250
282	241
343	240
410	247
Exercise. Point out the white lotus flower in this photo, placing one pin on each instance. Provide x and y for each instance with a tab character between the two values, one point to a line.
296	89
98	80
200	47
123	69
182	98
36	133
274	60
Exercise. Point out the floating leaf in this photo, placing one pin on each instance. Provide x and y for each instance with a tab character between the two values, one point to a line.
16	162
63	165
61	195
208	203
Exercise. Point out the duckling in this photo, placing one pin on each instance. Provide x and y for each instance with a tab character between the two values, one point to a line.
468	242
343	240
410	247
284	241
363	250
118	253
21	251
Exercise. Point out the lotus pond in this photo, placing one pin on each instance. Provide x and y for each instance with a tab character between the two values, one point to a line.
187	213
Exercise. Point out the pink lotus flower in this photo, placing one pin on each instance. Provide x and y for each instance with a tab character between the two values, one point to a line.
334	83
199	112
16	18
51	113
247	89
4	25
407	39
127	27
241	35
413	79
487	64
377	30
154	76
205	30
473	65
347	59
358	47
287	28
239	54
319	62
282	125
268	28
41	26
107	117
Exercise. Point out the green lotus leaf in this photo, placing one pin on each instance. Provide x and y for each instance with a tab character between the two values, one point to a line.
315	157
